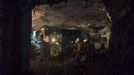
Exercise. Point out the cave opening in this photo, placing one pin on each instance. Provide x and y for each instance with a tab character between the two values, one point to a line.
58	32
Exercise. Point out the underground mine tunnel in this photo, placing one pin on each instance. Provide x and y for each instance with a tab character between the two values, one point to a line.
66	37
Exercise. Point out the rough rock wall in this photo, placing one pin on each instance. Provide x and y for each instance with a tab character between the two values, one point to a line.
73	14
120	59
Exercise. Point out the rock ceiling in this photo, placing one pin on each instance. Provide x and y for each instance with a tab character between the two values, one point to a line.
72	15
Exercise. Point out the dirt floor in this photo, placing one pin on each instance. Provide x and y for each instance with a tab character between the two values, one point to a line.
66	67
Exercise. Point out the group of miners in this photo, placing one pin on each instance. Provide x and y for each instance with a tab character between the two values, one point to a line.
80	50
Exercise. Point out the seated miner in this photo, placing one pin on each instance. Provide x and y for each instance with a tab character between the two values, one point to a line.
55	48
